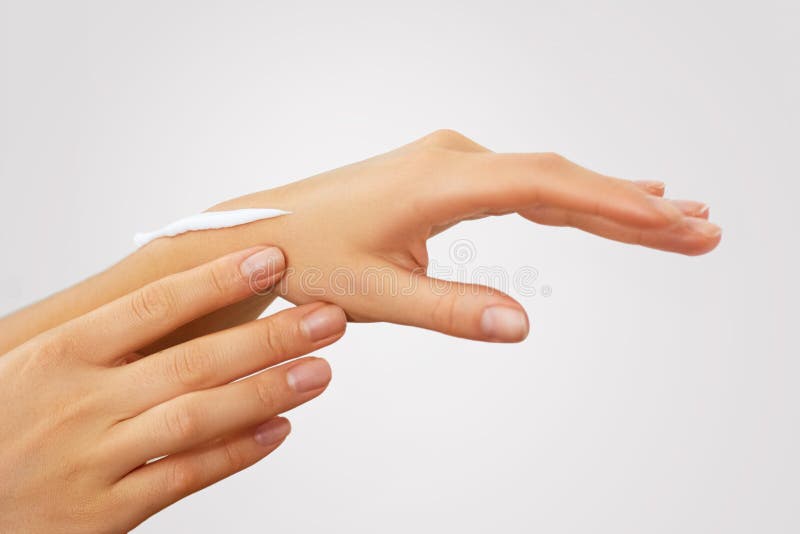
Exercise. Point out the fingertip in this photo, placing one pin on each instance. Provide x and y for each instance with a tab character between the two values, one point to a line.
704	228
692	208
701	236
272	432
308	375
323	323
505	324
704	246
263	268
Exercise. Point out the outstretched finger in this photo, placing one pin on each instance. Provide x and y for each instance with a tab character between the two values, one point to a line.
476	184
692	236
470	311
691	208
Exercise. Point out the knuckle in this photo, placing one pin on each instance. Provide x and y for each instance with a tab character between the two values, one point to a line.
183	477
233	458
181	422
274	339
444	312
444	137
549	160
83	400
47	353
431	158
219	279
153	302
267	393
48	350
188	367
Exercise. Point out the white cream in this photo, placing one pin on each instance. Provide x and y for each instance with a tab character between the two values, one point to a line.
210	220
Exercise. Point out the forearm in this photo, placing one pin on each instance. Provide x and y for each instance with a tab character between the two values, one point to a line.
149	263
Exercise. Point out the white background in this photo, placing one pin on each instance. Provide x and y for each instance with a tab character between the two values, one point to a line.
656	393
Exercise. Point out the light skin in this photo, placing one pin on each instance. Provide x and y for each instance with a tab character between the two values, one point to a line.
377	214
128	364
76	455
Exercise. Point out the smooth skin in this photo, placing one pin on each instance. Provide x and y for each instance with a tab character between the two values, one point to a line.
84	415
377	215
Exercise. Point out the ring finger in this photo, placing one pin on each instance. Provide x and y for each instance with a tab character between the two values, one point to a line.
196	418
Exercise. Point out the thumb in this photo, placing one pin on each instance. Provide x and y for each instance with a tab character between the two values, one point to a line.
470	311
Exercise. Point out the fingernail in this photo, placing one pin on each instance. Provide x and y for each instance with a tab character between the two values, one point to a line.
272	431
692	208
501	323
323	322
702	226
262	267
309	375
652	185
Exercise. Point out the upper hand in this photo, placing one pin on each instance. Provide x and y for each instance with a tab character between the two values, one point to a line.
370	221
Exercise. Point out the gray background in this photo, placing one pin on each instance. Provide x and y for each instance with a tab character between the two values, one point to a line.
657	393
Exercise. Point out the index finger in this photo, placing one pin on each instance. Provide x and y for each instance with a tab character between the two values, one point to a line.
492	184
140	318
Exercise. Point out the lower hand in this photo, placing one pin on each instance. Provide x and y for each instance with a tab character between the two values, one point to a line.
83	417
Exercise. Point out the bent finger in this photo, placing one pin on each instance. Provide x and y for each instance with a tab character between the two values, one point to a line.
139	318
199	417
156	485
220	358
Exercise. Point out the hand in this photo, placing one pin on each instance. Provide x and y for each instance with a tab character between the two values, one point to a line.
375	217
372	219
83	417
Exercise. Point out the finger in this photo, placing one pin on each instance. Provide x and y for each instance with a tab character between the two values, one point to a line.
220	358
235	314
561	216
692	208
156	485
196	418
691	236
136	320
502	183
468	311
554	216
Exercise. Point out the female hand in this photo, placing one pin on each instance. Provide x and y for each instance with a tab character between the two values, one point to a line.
83	417
367	224
372	219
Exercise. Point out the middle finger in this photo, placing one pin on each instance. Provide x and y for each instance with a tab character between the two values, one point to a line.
225	356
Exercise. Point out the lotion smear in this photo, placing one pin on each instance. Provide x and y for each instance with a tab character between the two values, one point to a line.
210	220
